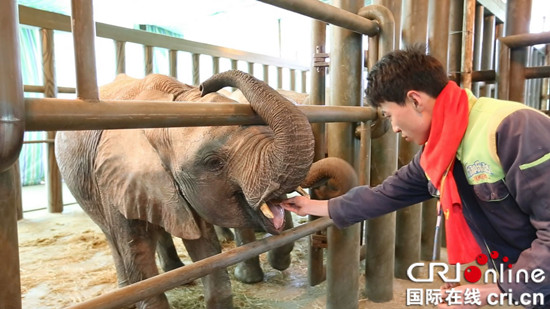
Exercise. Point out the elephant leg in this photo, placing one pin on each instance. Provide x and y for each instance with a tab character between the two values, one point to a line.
248	271
279	258
217	285
224	234
135	242
166	252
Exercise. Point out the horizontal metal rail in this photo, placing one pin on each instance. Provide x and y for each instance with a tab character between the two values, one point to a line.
153	286
42	89
49	20
527	39
47	114
330	14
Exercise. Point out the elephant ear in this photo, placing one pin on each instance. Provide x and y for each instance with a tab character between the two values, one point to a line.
131	177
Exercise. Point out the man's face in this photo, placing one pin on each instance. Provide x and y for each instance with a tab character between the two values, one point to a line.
413	120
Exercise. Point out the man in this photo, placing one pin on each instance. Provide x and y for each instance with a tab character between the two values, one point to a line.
487	160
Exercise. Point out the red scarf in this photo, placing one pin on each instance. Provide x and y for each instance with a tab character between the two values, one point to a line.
449	122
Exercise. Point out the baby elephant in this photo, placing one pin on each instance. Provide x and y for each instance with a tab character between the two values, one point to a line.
137	183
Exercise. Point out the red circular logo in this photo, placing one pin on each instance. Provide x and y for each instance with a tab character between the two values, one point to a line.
472	274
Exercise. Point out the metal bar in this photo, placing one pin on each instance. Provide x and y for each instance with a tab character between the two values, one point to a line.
316	270
120	55
478	44
12	119
517	22
131	294
173	63
438	42
328	13
83	28
196	63
148	59
526	39
12	128
488	55
468	43
477	76
343	244
537	72
408	225
39	141
53	176
42	89
49	20
380	234
455	35
64	114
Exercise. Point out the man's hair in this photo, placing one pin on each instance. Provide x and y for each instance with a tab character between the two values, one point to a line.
402	70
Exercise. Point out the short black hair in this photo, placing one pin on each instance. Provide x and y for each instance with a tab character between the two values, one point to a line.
402	70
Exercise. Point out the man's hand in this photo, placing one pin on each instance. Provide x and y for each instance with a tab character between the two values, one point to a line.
302	206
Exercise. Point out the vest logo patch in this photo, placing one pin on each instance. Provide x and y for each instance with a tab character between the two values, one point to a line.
478	171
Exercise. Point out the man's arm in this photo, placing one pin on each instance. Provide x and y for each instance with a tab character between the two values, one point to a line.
406	187
523	146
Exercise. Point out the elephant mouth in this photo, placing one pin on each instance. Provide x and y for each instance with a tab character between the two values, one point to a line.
273	216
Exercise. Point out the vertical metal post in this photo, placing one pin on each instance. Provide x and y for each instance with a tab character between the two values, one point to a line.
120	57
195	59
346	89
83	28
293	79
408	224
250	68
316	269
173	63
517	22
438	43
468	43
266	73
148	51
478	43
53	176
380	235
279	77
488	55
455	35
12	128
304	81
215	65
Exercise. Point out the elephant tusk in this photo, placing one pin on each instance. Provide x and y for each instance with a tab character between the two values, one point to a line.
266	211
302	192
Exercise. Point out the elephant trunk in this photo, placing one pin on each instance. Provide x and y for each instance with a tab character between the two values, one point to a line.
290	155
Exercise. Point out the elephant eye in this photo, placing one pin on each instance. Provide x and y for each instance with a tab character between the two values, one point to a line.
213	163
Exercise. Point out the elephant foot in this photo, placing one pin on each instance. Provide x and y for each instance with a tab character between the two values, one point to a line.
225	303
224	234
278	262
249	272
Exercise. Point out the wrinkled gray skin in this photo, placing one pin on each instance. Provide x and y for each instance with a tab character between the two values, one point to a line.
140	184
327	178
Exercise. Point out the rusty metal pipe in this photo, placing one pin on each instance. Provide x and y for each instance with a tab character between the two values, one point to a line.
381	231
83	28
527	39
12	117
146	288
328	13
65	114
